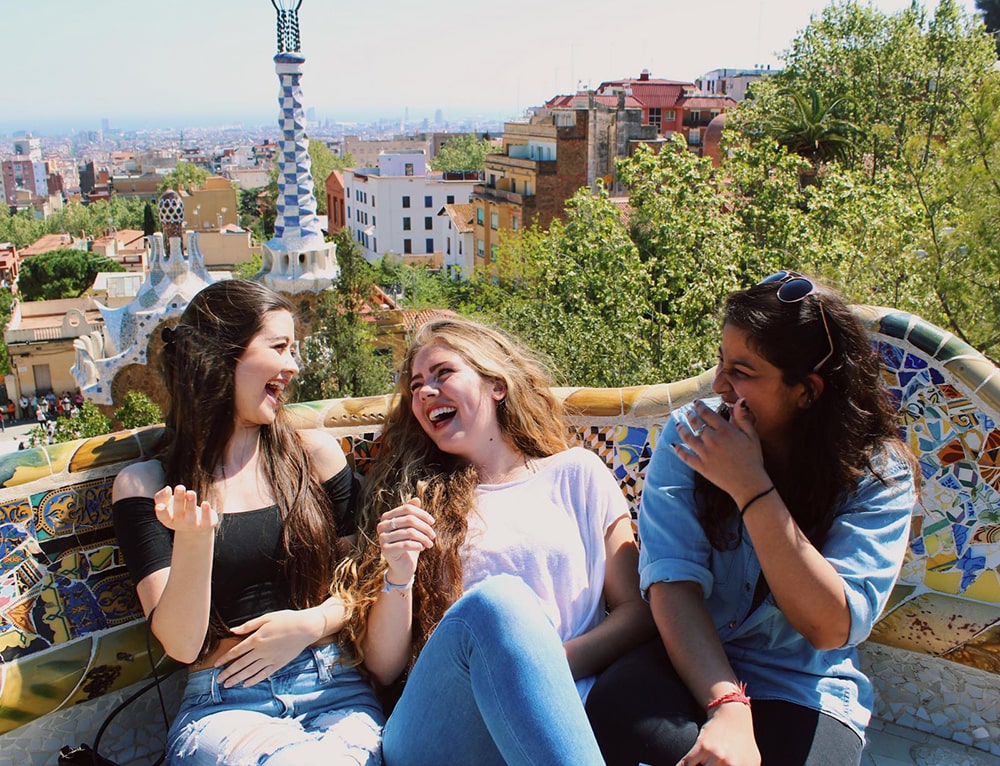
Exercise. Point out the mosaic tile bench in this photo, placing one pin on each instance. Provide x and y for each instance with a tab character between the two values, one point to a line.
71	634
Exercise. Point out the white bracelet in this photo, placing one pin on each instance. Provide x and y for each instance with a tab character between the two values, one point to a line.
389	587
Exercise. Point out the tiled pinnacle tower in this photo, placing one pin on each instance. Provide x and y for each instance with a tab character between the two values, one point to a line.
296	259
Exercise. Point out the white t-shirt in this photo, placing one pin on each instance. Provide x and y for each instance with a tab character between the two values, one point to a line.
548	529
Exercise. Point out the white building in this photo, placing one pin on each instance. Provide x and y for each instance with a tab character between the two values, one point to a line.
459	244
731	82
394	207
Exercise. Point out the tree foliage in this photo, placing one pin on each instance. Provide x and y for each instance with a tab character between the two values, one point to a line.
6	308
463	152
324	162
88	422
137	410
339	356
61	274
93	220
186	176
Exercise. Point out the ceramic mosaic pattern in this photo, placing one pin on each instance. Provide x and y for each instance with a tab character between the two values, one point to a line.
69	616
954	551
946	699
296	220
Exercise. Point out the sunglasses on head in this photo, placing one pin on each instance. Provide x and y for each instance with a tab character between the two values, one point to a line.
794	287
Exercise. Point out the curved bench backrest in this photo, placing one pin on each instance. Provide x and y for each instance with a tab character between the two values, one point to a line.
71	627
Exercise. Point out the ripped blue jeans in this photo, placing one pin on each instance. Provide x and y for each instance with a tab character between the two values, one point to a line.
311	711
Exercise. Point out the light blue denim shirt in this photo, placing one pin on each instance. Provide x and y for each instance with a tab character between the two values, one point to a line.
866	545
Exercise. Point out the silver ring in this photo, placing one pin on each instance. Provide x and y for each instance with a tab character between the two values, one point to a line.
698	431
392	523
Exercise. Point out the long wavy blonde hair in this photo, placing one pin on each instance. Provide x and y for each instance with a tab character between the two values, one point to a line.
409	465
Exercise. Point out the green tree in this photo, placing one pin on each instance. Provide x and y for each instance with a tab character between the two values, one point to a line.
340	356
61	274
463	152
324	162
137	410
692	248
901	72
148	220
88	422
247	269
582	293
960	200
6	308
414	287
185	176
21	229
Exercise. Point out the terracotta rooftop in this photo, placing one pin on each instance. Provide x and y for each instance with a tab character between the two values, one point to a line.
47	243
462	215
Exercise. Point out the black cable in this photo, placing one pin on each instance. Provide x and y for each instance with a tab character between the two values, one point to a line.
99	760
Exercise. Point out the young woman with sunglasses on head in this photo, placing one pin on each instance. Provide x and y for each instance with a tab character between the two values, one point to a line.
773	526
232	535
505	565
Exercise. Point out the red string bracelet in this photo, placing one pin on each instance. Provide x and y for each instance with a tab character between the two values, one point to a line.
740	695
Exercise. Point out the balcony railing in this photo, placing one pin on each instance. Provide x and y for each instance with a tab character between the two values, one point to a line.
38	334
484	191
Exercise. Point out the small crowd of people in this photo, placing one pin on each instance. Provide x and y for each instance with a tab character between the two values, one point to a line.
481	598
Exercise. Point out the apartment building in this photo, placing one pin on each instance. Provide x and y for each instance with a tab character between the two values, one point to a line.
394	207
731	82
21	173
671	106
570	143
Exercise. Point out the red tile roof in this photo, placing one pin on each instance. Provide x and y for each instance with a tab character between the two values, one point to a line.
463	215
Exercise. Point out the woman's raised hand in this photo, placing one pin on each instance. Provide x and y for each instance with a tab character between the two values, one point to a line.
403	533
178	509
726	452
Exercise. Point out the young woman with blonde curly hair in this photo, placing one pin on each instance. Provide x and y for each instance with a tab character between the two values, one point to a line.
500	567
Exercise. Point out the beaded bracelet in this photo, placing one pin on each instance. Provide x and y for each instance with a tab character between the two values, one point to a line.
740	695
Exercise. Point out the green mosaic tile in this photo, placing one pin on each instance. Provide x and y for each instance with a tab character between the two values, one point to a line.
926	337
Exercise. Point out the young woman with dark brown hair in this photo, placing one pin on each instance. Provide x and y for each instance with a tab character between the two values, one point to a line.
773	525
232	536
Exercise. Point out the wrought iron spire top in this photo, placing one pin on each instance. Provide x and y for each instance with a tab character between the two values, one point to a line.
288	25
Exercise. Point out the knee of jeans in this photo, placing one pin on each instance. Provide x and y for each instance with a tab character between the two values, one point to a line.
503	600
248	747
348	737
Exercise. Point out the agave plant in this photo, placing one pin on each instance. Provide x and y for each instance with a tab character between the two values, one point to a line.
813	130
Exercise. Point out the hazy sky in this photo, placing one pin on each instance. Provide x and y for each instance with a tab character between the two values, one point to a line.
205	62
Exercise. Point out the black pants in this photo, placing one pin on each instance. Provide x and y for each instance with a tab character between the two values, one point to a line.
642	712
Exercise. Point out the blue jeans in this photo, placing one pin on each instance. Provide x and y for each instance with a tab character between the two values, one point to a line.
310	711
491	686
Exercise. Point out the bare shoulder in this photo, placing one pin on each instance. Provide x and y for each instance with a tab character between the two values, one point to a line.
325	454
138	480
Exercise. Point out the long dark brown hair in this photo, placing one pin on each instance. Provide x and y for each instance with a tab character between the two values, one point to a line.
410	465
837	438
198	365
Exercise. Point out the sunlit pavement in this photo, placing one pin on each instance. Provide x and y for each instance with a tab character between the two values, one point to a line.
14	435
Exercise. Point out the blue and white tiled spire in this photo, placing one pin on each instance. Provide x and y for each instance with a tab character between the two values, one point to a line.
296	258
297	225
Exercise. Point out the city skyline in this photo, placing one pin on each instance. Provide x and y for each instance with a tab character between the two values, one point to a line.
203	64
